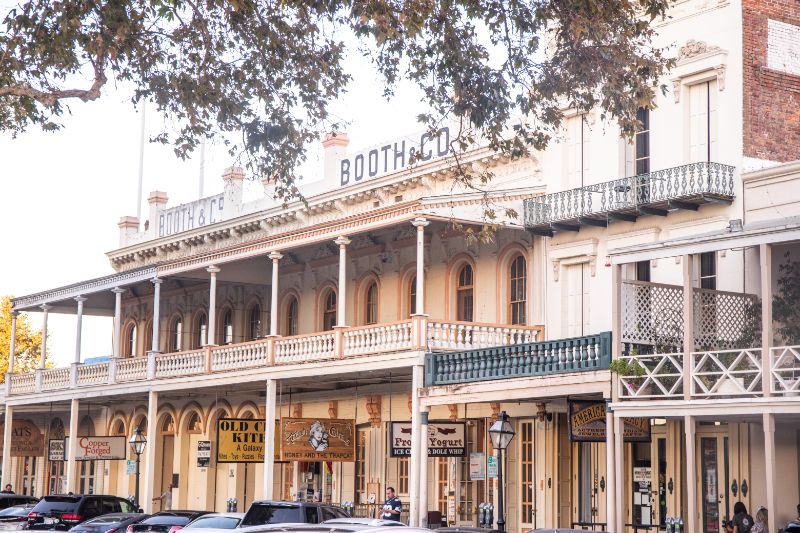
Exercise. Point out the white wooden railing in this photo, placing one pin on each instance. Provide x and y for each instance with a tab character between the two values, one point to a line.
23	383
132	368
305	348
93	374
652	376
470	335
786	370
55	378
378	338
726	373
180	364
236	356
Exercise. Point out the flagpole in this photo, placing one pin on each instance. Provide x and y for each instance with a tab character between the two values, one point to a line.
141	163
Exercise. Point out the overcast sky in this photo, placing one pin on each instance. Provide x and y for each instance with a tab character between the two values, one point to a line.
64	192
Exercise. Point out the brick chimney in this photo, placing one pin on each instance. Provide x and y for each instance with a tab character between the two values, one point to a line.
158	201
335	145
128	226
233	177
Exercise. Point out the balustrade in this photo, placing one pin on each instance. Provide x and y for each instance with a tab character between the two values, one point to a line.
786	370
180	364
25	383
377	338
93	374
131	368
470	335
236	356
55	378
651	376
305	348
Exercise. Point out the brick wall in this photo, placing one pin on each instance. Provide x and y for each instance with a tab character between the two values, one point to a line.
771	79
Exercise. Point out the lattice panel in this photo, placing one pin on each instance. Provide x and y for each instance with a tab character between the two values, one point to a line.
722	319
652	314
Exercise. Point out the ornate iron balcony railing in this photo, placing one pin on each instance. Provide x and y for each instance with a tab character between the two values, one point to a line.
591	352
654	193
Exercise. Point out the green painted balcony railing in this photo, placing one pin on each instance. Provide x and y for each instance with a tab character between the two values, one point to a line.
591	352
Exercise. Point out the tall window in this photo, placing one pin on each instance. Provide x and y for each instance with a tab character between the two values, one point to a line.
642	142
643	270
28	475
227	326
517	286
402	475
464	294
361	465
708	270
86	477
175	334
56	475
129	341
412	295
371	304
254	323
442	479
148	336
329	310
703	121
200	329
290	328
527	471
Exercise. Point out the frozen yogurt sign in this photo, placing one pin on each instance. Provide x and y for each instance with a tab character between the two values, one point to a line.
98	448
393	156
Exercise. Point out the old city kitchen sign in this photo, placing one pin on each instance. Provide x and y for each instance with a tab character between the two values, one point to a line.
587	423
26	439
99	448
318	439
445	439
241	440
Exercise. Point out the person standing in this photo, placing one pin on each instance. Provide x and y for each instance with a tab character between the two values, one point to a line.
166	499
761	524
742	522
392	507
7	490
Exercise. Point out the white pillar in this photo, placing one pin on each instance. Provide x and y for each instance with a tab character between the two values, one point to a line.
156	312
688	325
212	306
43	356
269	437
341	303
12	349
149	477
619	474
611	486
79	325
117	319
5	479
691	521
420	224
423	468
417	373
765	256
273	304
769	461
72	446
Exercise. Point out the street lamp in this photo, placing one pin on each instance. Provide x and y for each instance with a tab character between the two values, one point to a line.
137	442
501	434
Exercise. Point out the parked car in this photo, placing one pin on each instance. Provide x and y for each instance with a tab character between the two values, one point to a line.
277	512
62	512
216	521
165	522
109	523
327	528
371	522
15	517
11	500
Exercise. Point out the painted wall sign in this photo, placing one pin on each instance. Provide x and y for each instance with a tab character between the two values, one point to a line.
99	448
241	440
192	215
393	156
587	423
445	439
203	453
55	450
26	439
318	439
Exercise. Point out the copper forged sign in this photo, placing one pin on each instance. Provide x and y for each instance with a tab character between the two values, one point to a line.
587	423
318	439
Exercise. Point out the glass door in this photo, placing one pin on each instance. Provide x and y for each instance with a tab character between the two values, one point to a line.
713	454
527	466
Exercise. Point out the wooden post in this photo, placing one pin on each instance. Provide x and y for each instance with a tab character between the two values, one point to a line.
688	325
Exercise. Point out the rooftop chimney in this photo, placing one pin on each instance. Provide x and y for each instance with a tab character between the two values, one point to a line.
158	201
233	178
127	226
335	145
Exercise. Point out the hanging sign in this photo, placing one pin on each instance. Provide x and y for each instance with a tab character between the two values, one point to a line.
55	450
94	448
492	466
477	466
241	440
587	423
318	439
26	439
445	439
204	453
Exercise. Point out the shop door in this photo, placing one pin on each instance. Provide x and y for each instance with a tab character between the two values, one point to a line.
527	475
712	459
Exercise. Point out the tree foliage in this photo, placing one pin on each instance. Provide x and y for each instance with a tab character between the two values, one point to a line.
268	70
29	342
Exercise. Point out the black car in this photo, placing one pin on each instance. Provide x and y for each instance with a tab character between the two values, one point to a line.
109	523
15	518
62	512
275	512
165	522
11	500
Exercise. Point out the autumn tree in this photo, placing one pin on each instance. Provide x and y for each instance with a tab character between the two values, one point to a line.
264	72
29	342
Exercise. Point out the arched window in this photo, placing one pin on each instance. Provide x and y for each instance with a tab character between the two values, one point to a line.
412	295
290	328
329	310
148	336
175	334
200	329
254	323
517	287
371	304
227	326
465	294
129	341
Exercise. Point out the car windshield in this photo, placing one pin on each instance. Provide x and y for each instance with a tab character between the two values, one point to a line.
108	519
271	514
56	503
18	510
217	522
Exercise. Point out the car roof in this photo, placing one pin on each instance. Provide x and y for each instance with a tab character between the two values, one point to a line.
375	522
227	515
18	496
330	528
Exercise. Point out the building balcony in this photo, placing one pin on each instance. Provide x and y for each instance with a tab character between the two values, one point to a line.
563	356
626	199
418	334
